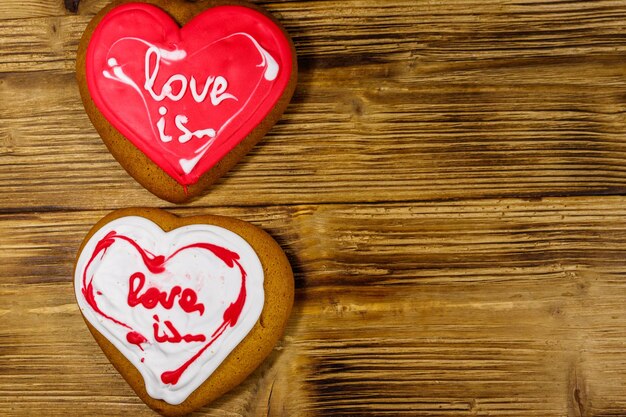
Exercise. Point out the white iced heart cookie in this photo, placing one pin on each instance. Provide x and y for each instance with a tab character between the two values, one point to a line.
176	297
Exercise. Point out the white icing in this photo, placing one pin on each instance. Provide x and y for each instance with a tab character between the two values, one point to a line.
188	165
271	72
161	125
120	76
180	121
218	90
167	90
199	97
268	61
216	284
270	64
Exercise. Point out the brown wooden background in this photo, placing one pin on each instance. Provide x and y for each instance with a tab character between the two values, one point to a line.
449	184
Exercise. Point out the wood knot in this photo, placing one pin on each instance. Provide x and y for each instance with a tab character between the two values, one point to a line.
357	106
72	5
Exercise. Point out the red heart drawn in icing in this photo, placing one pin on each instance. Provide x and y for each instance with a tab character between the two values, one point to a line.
186	96
175	304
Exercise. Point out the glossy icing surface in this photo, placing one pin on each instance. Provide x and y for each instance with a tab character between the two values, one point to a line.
186	96
174	304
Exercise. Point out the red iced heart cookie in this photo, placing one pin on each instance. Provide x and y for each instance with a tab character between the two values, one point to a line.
176	303
183	98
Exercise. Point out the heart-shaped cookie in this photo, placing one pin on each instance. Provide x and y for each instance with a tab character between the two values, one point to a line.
179	106
184	308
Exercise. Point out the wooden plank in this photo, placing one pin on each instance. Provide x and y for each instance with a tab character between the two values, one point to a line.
13	9
424	102
503	307
429	145
29	9
333	33
419	292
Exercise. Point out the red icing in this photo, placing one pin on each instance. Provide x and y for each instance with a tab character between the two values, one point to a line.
136	338
152	296
231	316
227	256
154	263
187	301
87	289
223	80
174	336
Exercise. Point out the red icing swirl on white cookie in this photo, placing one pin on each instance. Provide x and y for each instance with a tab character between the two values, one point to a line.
175	304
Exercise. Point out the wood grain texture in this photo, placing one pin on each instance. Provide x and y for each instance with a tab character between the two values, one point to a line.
511	307
408	101
448	183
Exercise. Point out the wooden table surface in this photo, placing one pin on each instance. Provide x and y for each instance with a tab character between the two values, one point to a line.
449	184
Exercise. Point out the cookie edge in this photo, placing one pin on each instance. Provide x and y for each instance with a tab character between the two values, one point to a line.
137	164
258	343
